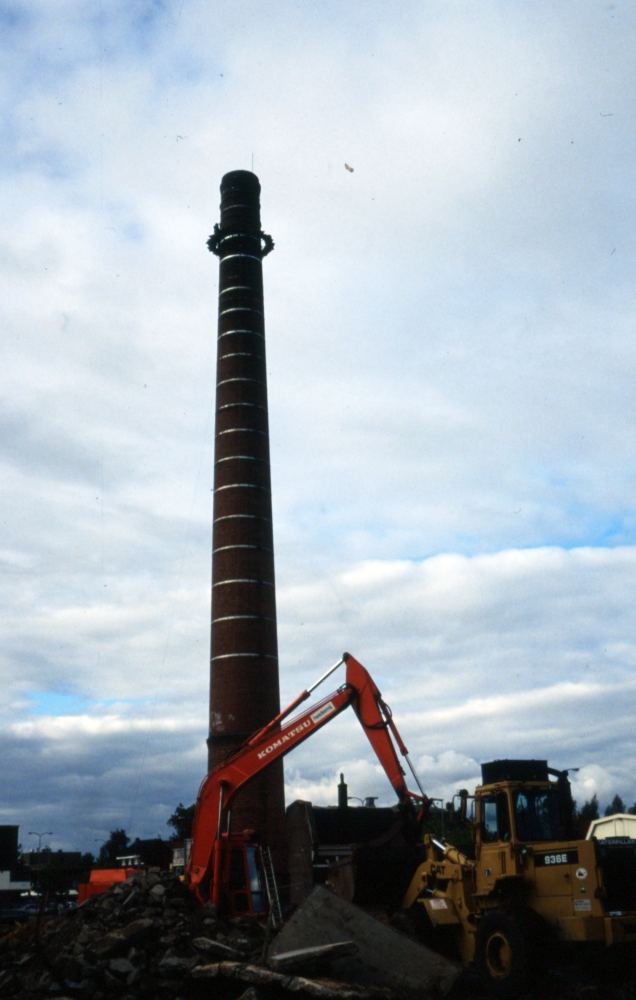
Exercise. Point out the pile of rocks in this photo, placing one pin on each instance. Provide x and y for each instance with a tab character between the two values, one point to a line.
149	938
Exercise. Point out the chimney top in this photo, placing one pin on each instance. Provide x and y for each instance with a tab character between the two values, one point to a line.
240	202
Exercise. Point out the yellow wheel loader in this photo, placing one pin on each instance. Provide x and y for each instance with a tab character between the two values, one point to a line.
530	882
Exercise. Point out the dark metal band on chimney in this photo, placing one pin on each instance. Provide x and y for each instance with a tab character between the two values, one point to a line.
244	651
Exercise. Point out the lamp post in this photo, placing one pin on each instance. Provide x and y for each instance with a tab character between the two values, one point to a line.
33	833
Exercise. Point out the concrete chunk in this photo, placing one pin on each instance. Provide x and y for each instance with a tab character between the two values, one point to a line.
120	965
385	957
216	948
304	958
121	938
175	964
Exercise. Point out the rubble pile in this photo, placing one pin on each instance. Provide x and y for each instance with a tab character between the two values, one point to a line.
149	939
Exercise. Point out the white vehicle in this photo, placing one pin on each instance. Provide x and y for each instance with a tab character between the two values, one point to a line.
620	825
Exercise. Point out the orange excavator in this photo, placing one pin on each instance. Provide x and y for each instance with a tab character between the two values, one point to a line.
227	866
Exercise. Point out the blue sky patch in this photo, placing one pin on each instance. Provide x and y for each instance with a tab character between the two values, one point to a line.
59	703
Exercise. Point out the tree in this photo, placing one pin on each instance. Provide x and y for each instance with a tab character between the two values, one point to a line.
616	806
589	810
181	821
87	862
53	877
56	876
632	810
116	845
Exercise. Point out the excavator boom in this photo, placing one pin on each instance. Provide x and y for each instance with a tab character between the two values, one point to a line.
204	873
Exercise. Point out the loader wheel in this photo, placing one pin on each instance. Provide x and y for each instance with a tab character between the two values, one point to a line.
505	951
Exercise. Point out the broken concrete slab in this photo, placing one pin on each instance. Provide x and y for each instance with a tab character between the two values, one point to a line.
305	958
385	957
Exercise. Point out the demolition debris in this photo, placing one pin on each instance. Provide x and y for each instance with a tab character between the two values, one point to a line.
150	938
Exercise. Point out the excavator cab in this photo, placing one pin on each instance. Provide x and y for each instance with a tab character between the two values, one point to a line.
245	880
243	876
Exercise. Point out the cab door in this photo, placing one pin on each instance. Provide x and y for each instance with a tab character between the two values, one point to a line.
245	881
494	850
237	883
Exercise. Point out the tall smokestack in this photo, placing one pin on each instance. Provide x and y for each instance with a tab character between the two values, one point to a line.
244	691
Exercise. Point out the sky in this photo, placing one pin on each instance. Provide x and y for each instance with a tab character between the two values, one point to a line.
451	368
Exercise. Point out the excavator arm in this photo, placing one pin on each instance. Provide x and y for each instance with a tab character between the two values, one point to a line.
218	790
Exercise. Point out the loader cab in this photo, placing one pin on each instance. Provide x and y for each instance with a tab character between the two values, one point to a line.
517	805
520	813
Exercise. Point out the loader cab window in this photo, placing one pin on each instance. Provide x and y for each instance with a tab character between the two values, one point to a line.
537	815
495	819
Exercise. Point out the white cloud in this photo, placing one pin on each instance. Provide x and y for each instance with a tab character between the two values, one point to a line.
512	654
593	780
451	378
75	727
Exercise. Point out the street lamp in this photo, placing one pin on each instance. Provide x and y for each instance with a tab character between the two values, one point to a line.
33	833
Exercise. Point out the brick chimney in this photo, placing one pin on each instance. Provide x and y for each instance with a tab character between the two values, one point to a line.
244	689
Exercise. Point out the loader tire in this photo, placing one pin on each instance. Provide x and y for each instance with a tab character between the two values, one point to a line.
508	951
